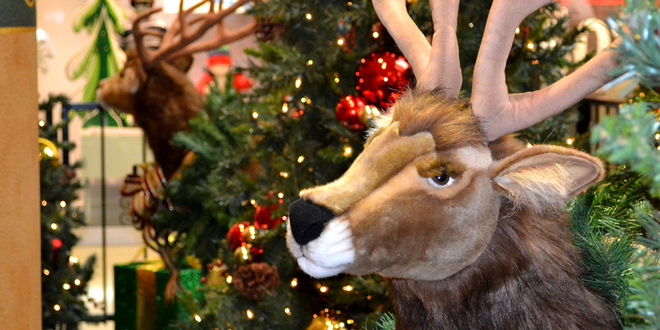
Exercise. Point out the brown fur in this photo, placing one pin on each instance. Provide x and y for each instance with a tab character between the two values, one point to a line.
489	251
162	100
528	278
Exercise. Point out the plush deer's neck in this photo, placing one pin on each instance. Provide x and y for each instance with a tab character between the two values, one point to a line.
528	278
165	103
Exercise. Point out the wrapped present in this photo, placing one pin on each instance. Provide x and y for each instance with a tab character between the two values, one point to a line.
139	295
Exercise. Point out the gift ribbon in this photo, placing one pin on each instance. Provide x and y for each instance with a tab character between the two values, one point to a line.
147	185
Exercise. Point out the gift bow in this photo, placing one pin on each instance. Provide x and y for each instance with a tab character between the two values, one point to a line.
146	188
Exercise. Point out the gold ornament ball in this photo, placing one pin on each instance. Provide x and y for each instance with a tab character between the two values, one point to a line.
48	150
250	234
243	254
217	277
369	112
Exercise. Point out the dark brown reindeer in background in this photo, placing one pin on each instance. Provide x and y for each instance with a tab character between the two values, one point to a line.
153	86
470	233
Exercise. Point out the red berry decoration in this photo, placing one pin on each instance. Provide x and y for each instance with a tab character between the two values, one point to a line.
263	217
348	112
235	234
56	243
241	83
381	78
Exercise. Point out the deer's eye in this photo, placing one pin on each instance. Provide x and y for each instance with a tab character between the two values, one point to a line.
442	180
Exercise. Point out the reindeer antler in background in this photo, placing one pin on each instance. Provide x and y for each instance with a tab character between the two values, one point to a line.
179	38
437	65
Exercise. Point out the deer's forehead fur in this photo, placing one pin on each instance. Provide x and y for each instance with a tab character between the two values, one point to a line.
449	120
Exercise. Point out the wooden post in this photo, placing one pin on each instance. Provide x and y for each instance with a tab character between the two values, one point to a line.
20	266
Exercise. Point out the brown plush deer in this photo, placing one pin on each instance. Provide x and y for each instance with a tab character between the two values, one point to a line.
153	86
470	233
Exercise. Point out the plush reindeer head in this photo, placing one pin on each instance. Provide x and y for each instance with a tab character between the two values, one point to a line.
423	200
153	86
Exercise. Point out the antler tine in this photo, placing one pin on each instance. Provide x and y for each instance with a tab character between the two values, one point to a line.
435	65
502	113
138	36
177	33
412	42
444	68
222	37
179	38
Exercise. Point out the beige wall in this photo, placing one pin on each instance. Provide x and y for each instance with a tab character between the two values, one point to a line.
20	266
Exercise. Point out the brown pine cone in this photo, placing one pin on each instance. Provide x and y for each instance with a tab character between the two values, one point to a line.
268	30
256	279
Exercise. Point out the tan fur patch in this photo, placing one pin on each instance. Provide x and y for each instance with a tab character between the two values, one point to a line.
386	156
409	228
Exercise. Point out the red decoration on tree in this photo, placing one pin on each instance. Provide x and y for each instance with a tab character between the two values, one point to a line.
56	243
241	83
348	112
381	78
263	217
235	234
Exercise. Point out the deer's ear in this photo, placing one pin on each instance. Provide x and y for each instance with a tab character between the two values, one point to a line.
131	80
545	177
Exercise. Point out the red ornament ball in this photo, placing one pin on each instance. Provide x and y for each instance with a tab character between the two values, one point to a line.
56	243
381	77
348	112
241	83
263	217
235	234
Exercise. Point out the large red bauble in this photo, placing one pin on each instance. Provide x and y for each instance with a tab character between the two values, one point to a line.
235	234
264	219
348	112
381	77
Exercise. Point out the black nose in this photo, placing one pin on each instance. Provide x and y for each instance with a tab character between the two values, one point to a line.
307	220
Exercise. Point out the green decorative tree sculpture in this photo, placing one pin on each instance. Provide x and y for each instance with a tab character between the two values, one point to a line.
101	56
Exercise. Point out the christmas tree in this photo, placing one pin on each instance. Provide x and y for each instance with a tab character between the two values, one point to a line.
319	83
64	278
631	139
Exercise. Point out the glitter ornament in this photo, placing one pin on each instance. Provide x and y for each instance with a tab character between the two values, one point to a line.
263	217
235	234
381	77
349	110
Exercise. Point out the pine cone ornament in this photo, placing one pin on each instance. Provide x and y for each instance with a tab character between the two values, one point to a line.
256	279
269	30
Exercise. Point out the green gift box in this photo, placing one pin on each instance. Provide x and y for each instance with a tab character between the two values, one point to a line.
139	295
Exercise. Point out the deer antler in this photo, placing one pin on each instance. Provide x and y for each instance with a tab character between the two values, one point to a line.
435	65
179	38
502	113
